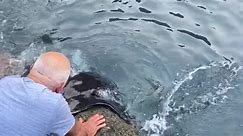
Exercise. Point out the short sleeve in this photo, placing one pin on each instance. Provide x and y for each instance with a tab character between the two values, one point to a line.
63	120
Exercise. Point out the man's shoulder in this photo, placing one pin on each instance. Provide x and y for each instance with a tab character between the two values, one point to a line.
46	96
9	81
52	97
34	91
8	78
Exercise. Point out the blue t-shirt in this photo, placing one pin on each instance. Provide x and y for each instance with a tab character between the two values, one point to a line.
31	109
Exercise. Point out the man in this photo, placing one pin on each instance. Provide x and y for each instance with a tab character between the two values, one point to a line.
34	106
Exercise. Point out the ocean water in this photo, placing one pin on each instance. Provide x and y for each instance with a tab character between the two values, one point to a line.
177	62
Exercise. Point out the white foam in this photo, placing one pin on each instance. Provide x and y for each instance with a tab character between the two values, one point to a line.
104	93
155	125
1	36
4	22
80	62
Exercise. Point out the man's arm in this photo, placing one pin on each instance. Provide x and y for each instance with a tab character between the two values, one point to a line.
75	130
64	123
63	120
88	128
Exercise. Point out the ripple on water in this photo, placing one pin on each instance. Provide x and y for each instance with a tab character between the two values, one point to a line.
121	19
100	11
177	14
157	22
197	36
118	10
144	10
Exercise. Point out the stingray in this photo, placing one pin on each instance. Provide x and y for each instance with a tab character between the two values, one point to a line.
87	90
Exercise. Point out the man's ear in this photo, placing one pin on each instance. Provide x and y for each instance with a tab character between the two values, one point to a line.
67	81
60	89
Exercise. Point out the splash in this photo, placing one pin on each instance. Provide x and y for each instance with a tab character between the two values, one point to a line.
159	122
78	62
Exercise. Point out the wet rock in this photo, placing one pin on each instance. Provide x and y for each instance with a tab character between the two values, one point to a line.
117	126
10	65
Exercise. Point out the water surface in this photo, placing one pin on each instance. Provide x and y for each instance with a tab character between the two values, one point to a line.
178	62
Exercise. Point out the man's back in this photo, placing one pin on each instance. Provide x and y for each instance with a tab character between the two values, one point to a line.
28	108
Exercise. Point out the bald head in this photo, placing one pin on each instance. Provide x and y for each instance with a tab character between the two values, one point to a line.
54	65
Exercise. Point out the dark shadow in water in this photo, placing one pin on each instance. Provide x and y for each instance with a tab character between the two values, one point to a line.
118	10
183	0
181	45
121	19
157	22
177	14
125	2
144	10
53	31
116	19
63	39
202	7
116	1
100	11
133	19
138	1
46	39
169	29
195	36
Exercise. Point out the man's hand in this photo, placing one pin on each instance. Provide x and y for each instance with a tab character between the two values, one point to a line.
93	124
88	128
